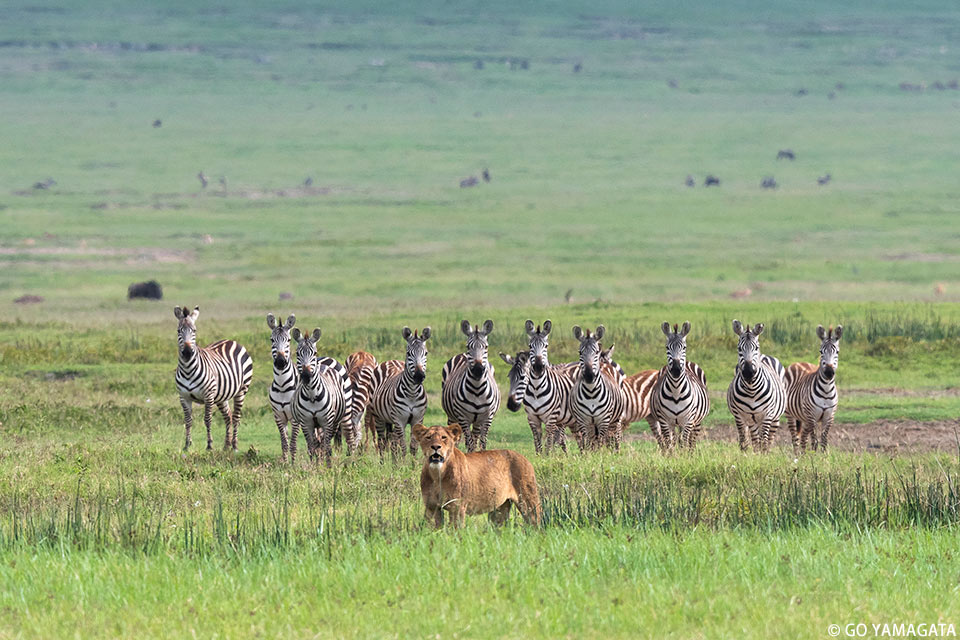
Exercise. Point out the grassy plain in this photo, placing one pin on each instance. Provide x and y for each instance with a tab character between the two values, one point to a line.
108	530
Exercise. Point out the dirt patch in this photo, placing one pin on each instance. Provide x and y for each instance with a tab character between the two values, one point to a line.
882	436
133	255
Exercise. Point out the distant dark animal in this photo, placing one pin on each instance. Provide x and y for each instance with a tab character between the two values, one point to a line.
524	64
768	183
672	83
801	92
577	68
478	65
786	154
690	182
203	180
46	184
839	86
223	182
28	299
908	86
953	84
486	175
711	181
308	182
151	290
469	182
568	296
831	95
824	179
157	124
285	295
939	86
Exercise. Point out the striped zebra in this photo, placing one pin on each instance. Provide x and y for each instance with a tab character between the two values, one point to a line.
469	392
597	400
360	367
542	389
324	399
210	375
756	396
637	390
679	400
283	389
812	393
398	397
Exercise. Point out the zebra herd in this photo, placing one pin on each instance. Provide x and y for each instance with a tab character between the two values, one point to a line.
593	398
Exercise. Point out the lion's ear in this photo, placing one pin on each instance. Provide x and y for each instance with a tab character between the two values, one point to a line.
418	432
455	431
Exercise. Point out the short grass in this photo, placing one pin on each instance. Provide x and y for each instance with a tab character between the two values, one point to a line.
107	529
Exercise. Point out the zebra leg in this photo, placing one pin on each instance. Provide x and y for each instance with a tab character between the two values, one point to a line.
326	451
207	417
655	430
310	433
381	439
794	435
824	430
351	433
227	419
294	436
282	428
694	434
811	428
237	414
535	423
741	433
484	430
187	405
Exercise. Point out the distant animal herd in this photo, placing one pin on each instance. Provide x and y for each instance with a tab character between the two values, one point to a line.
592	399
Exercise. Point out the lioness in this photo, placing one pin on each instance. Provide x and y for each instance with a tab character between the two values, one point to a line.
473	483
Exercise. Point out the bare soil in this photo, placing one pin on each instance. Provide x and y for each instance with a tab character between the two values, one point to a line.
882	436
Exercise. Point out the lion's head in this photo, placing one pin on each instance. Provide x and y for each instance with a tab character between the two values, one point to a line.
437	442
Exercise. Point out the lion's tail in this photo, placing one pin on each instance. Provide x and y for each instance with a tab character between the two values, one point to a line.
526	485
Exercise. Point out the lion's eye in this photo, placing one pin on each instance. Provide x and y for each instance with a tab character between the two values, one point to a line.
444	438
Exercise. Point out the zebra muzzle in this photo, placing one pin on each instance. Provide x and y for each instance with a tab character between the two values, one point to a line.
829	372
512	404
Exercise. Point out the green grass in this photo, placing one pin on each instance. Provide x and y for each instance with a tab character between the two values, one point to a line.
107	530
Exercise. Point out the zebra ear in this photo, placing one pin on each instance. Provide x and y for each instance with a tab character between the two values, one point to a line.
487	327
406	333
757	330
737	327
195	314
425	334
529	326
178	312
577	332
607	354
600	331
837	332
547	326
316	335
665	327
271	321
296	335
685	330
508	359
291	320
466	328
821	333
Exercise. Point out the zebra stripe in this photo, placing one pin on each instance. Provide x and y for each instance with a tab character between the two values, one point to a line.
210	376
398	397
283	389
637	391
679	400
597	400
756	396
360	367
812	393
469	392
324	399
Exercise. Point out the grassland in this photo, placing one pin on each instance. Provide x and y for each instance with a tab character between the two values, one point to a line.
108	530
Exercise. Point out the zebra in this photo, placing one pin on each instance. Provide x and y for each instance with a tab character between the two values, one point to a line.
679	400
597	400
360	367
324	399
812	393
469	392
398	397
283	389
211	375
757	395
637	390
542	389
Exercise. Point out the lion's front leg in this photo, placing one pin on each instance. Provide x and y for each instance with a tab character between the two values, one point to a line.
434	514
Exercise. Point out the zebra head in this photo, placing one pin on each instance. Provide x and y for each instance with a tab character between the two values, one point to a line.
518	378
307	355
280	340
676	348
589	352
477	345
416	363
748	349
539	344
829	350
186	331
